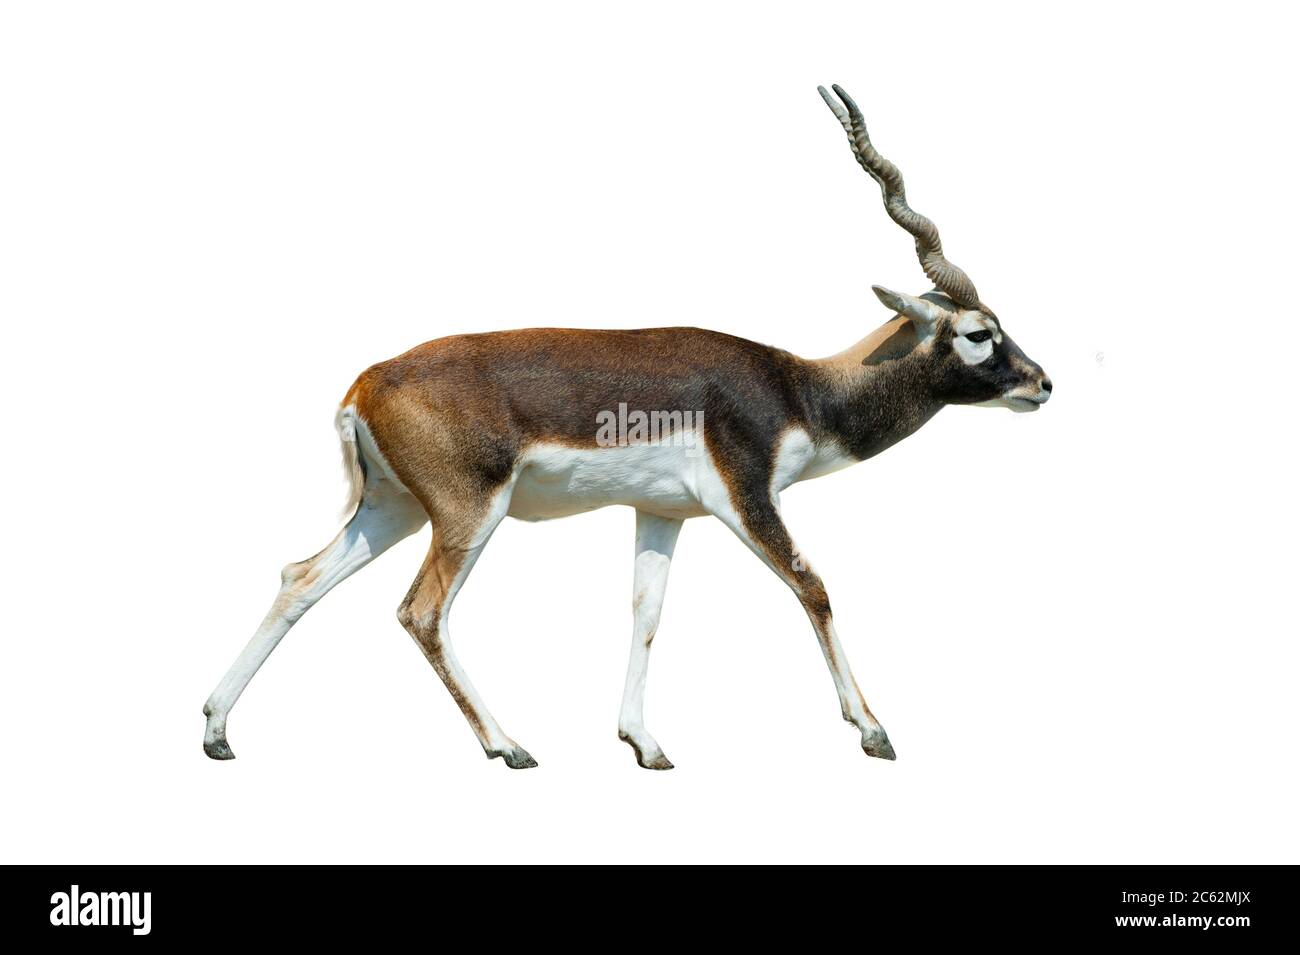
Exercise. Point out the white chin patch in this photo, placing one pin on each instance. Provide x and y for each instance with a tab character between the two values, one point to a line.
1010	401
1022	404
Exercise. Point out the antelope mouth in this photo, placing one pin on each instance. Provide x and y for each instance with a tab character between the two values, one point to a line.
1021	403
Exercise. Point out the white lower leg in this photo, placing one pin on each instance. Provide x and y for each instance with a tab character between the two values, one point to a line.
655	539
493	738
852	706
425	615
631	726
384	517
436	644
219	704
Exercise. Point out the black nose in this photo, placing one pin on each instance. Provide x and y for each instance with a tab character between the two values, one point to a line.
1047	383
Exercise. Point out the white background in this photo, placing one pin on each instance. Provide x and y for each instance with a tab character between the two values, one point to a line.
1078	626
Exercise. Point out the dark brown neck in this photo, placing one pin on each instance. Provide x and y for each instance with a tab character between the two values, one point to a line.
874	394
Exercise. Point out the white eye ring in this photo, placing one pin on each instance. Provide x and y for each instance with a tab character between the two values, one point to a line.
973	353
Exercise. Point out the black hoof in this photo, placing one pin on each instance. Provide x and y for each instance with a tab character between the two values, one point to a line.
516	758
879	747
657	762
218	749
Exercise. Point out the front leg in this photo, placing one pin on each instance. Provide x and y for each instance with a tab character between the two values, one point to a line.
655	539
754	515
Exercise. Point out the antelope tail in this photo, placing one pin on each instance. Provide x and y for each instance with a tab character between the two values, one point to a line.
353	466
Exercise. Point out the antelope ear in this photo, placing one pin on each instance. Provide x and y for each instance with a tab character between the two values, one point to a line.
925	314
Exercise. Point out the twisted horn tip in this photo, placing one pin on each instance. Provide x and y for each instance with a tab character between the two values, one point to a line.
848	100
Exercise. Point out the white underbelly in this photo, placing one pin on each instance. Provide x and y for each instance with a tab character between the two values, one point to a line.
557	481
667	479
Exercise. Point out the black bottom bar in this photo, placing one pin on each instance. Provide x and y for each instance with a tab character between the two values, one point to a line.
1228	906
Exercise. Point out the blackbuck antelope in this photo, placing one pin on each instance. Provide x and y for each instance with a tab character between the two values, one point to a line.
463	431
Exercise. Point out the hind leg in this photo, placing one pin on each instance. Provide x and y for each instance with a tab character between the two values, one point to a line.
462	524
386	515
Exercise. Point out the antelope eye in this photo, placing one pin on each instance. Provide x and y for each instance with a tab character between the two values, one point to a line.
982	335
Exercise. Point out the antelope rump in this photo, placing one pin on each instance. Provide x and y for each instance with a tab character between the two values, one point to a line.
461	432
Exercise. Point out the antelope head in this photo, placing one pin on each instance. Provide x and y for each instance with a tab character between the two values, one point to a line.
970	359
